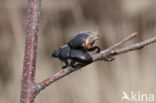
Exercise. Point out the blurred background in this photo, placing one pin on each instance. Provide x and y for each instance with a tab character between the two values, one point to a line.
100	82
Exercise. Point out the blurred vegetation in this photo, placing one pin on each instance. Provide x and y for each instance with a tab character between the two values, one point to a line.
59	20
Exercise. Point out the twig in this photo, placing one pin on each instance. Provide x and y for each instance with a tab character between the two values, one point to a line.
131	36
133	47
103	55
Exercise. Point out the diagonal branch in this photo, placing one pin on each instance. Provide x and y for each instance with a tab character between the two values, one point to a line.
105	53
131	36
133	47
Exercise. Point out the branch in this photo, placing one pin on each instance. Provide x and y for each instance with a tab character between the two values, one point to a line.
131	36
133	47
106	53
28	89
100	56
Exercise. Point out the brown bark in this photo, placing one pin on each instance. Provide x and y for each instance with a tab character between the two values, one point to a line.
28	89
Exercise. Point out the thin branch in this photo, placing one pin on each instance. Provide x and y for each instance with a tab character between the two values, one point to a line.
131	36
102	55
28	88
133	47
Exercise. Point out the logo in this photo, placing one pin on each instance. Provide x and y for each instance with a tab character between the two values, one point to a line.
137	97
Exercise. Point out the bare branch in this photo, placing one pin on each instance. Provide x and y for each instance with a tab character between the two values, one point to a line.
28	88
134	47
103	55
131	36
